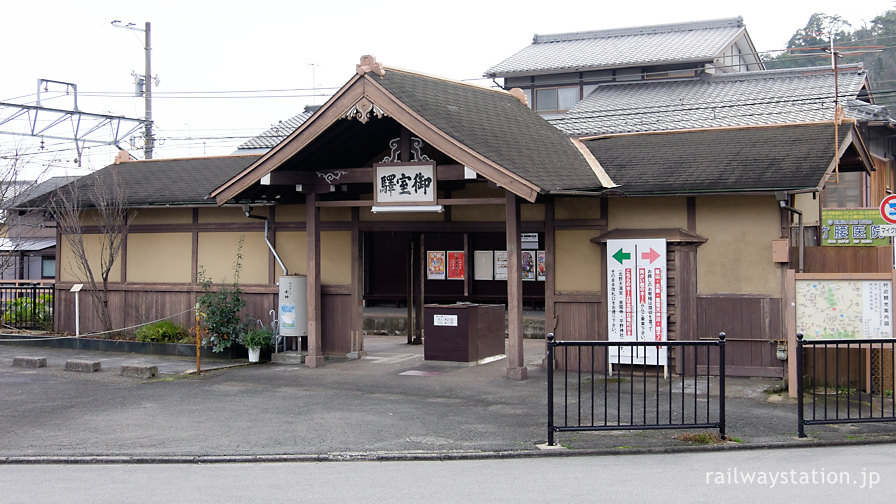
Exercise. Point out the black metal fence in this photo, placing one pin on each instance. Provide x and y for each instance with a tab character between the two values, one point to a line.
641	395
28	306
845	381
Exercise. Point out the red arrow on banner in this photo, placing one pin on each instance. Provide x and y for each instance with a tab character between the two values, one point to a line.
651	256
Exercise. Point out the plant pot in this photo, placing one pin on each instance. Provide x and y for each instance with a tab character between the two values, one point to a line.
254	354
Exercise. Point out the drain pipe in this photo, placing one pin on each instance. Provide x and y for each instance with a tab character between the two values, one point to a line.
248	212
799	215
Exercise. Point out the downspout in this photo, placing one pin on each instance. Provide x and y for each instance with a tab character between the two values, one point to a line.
267	240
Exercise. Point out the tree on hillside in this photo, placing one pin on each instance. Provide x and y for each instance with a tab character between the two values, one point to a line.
97	203
807	45
874	46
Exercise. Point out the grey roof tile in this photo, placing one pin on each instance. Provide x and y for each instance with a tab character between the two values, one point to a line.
737	99
497	126
161	181
276	133
784	157
681	42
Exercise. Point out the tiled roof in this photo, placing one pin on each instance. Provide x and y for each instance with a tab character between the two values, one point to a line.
497	126
736	99
162	181
37	190
278	132
568	52
784	157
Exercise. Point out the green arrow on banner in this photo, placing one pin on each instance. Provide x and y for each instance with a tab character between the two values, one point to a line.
621	256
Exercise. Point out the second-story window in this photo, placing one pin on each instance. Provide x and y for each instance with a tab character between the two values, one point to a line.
848	193
556	99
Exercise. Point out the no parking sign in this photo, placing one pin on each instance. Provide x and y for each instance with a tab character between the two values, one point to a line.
888	209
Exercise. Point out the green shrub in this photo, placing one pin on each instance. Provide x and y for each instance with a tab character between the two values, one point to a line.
256	336
25	312
163	331
220	308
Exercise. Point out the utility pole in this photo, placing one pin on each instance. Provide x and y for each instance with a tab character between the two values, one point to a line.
148	139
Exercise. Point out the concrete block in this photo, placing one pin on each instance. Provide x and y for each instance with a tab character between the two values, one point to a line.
29	362
144	372
82	366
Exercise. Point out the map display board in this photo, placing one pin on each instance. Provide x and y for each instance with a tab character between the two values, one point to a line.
636	299
844	309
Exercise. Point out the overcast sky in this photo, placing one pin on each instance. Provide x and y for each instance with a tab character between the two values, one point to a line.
203	52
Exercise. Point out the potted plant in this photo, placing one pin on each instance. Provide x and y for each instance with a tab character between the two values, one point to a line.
255	339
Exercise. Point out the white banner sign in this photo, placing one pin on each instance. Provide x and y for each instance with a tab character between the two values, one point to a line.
636	299
405	184
887	230
444	320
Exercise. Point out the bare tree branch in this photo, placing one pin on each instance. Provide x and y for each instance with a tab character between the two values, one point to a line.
101	198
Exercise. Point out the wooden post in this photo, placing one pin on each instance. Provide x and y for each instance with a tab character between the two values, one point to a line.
790	330
357	289
515	363
549	265
315	356
550	316
410	289
419	295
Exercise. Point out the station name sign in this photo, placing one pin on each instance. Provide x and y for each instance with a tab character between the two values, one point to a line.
405	184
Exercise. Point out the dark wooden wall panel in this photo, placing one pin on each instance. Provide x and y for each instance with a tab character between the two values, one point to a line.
844	259
336	324
580	320
133	306
752	324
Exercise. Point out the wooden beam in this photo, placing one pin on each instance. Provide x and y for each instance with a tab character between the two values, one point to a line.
516	368
359	175
332	111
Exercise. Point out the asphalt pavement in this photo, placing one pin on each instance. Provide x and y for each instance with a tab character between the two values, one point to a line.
392	404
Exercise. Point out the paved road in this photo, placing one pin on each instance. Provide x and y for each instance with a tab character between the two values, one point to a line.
392	402
831	474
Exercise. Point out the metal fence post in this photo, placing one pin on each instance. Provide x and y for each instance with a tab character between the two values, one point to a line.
550	363
799	384
721	385
33	319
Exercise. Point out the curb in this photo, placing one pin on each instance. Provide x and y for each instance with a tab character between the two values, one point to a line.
413	456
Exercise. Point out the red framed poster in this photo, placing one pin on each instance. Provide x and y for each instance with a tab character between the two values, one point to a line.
456	260
435	265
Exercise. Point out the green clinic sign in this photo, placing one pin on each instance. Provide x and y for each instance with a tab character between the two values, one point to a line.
850	227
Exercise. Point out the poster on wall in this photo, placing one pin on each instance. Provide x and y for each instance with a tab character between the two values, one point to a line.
435	265
483	265
527	263
541	268
500	265
456	259
636	299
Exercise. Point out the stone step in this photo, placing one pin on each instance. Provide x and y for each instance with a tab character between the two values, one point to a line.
139	371
29	362
82	366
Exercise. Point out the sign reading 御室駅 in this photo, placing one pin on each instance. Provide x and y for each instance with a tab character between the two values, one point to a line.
405	184
636	299
852	227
